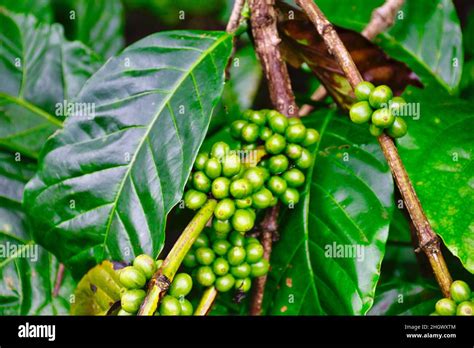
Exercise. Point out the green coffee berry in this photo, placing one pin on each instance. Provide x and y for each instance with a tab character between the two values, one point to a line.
132	278
460	291
290	196
446	306
396	105
241	271
259	268
363	90
236	128
254	252
220	150
293	151
249	147
262	199
383	118
275	144
242	220
220	266
277	185
169	306
221	246
294	177
294	120
201	241
231	165
243	202
279	163
205	256
375	131
240	188
236	239
380	96
131	300
246	114
465	308
221	227
243	285
224	209
181	285
201	182
205	276
296	133
398	129
146	264
220	187
251	240
225	283
194	199
186	307
190	260
250	132
312	137
200	161
257	117
277	122
306	159
236	255
256	177
123	312
265	133
213	168
360	112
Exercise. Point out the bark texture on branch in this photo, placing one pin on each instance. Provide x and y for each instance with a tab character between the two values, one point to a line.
427	239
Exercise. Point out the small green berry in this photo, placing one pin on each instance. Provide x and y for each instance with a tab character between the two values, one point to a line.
202	241
460	291
186	307
306	160
200	161
243	203
225	283
221	227
398	129
265	133
256	177
260	268
446	306
243	220
132	278
360	112
294	177
262	199
189	260
221	246
380	96
213	168
236	255
254	252
236	239
169	306
258	117
290	197
465	308
396	105
224	209
383	118
246	114
296	133
201	182
205	256
293	151
277	185
236	128
375	131
312	137
279	163
219	150
363	90
240	188
181	285
250	132
294	120
243	284
251	240
131	300
123	312
275	144
146	264
220	187
241	271
205	276
220	266
231	165
277	122
194	199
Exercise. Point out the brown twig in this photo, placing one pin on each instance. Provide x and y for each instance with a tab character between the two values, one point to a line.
382	18
428	240
235	16
265	33
59	280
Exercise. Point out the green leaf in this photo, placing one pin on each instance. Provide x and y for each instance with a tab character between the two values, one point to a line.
426	36
348	204
106	185
40	70
41	9
437	153
28	272
100	25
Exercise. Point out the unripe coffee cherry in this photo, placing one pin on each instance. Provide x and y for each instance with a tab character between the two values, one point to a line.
306	159
360	112
194	199
277	185
219	150
201	182
186	307
205	256
132	278
224	209
293	151
236	239
205	276
262	199
190	260
265	133
254	252
363	90
258	118
312	137
465	308
123	312
221	247
220	267
236	128
383	118
277	122
200	161
241	271
240	188
460	291
294	120
294	177
243	202
396	106
201	241
132	299
279	163
169	306
236	256
213	168
260	268
225	283
380	96
181	285
221	227
375	131
243	284
398	129
251	240
296	133
146	264
275	144
220	187
246	114
446	306
250	132
290	196
256	177
231	165
243	220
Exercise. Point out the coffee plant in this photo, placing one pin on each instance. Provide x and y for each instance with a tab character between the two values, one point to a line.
213	172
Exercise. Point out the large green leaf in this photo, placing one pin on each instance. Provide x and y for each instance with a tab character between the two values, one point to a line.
437	153
106	185
27	277
426	35
41	9
349	202
39	70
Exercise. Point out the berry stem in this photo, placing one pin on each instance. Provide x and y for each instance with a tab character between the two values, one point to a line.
59	280
427	239
235	16
162	279
206	302
266	38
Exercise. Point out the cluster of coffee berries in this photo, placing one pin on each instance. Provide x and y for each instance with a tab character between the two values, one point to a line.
134	279
242	184
226	260
460	302
378	107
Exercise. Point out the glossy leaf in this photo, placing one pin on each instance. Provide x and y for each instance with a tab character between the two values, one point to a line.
106	185
40	70
27	271
426	36
303	44
437	152
348	204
